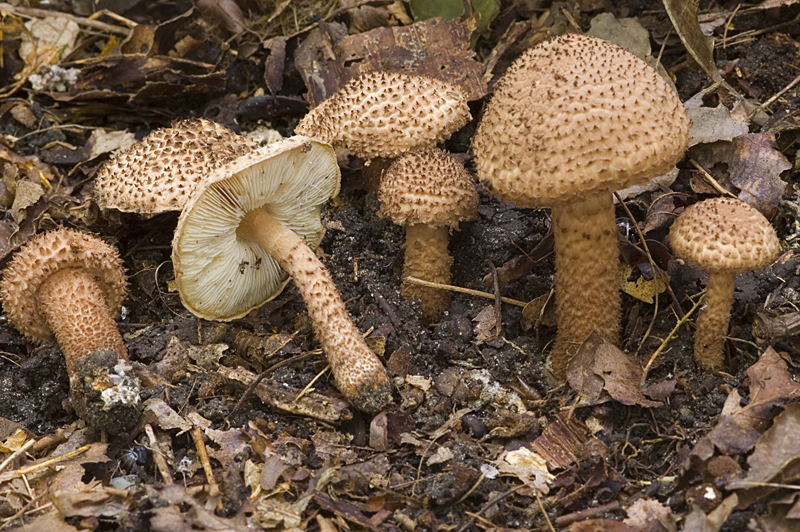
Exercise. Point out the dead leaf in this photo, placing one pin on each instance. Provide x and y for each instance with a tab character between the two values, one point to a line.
642	289
527	466
649	515
329	57
770	379
750	163
697	521
600	525
27	194
711	124
775	460
102	141
486	327
600	371
683	14
560	440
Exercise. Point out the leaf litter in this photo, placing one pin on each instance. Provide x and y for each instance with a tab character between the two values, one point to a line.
243	430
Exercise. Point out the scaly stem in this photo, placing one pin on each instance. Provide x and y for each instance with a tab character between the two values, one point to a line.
77	313
357	371
586	285
712	325
427	258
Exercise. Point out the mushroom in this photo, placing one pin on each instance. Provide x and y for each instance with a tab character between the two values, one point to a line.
572	120
725	236
429	192
385	114
160	172
71	285
254	219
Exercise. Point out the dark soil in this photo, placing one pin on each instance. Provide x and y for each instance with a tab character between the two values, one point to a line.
640	450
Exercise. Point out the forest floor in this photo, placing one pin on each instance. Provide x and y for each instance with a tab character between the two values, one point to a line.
475	438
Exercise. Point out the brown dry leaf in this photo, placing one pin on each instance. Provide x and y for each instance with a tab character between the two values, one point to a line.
683	14
52	522
559	441
600	525
436	48
527	466
284	397
738	428
712	124
89	500
697	521
750	163
196	517
102	141
770	379
486	327
775	460
649	515
540	311
783	516
600	370
642	289
156	412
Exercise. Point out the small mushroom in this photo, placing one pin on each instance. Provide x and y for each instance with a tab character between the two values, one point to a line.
385	114
429	192
572	120
160	172
71	285
725	236
251	221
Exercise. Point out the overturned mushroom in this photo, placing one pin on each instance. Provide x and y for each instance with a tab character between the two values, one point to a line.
385	114
572	120
429	192
255	218
724	236
71	285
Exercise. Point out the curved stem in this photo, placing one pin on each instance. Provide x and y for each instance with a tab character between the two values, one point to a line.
586	284
76	311
357	371
427	258
712	325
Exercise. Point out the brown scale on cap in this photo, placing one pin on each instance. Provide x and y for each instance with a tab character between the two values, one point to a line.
572	120
384	114
429	192
724	236
161	171
71	285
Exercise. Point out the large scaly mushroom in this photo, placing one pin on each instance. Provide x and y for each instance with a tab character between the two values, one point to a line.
572	120
71	285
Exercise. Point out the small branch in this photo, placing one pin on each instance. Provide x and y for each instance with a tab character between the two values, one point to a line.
461	290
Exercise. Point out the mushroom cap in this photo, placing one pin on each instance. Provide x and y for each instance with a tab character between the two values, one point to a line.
161	171
46	254
724	234
384	114
428	186
576	114
223	277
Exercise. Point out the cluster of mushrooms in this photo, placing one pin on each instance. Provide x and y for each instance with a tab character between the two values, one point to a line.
574	119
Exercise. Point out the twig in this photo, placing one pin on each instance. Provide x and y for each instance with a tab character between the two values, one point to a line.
197	436
429	284
711	181
27	445
544	512
488	505
264	374
498	305
672	333
81	21
777	95
158	456
310	385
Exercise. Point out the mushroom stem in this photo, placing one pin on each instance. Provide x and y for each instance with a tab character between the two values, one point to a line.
357	371
712	325
427	258
76	311
587	265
